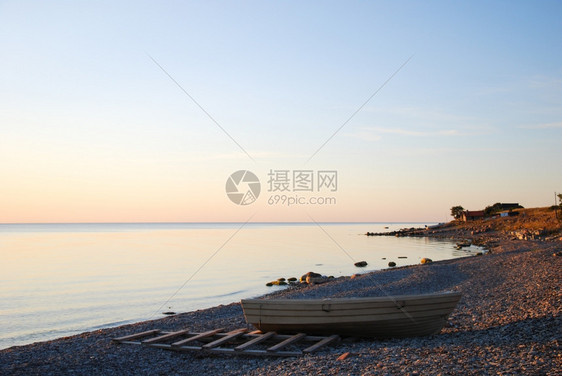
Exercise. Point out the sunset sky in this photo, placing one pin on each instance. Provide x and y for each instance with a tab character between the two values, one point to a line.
127	111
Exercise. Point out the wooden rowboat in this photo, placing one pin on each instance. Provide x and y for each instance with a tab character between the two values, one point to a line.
379	317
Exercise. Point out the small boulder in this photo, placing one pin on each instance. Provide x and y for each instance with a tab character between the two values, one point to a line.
309	274
392	264
361	264
277	283
316	280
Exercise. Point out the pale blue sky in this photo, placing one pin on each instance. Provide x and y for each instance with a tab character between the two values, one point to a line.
92	130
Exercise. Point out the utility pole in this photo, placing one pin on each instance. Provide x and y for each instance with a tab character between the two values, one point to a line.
557	209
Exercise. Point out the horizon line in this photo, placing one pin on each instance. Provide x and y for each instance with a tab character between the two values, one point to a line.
203	222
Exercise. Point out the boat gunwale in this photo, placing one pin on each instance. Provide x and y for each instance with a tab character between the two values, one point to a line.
368	312
455	296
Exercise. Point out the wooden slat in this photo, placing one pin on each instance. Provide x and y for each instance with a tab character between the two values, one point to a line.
316	311
359	321
231	335
251	339
351	303
256	352
224	350
288	341
374	299
383	329
321	343
345	304
308	338
197	337
165	336
255	341
138	335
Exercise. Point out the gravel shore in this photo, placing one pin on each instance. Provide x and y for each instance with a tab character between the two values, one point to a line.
508	322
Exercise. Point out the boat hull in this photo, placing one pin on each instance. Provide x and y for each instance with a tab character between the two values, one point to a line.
379	317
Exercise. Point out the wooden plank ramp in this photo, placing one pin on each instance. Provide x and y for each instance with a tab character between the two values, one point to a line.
236	342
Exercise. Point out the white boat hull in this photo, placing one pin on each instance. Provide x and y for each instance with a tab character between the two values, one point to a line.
380	317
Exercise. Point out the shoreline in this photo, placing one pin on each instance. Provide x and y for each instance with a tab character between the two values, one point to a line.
507	321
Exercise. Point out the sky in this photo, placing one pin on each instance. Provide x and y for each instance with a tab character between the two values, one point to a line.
136	111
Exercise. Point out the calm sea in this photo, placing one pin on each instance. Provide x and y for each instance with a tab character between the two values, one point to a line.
63	279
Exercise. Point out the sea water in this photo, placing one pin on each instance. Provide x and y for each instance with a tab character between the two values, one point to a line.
63	279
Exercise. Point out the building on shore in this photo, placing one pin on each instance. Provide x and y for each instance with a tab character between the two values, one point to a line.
471	215
498	209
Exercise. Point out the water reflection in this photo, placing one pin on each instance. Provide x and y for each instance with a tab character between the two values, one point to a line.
64	279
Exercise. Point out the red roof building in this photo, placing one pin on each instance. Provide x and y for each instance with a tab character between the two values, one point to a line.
468	215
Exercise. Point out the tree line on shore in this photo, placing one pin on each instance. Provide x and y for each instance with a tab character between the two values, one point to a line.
457	211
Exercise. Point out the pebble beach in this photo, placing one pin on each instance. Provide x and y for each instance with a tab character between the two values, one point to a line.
507	322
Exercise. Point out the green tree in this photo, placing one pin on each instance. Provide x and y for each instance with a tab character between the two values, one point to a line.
493	209
456	211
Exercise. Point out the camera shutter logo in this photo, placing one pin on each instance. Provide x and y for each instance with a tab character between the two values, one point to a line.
243	187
